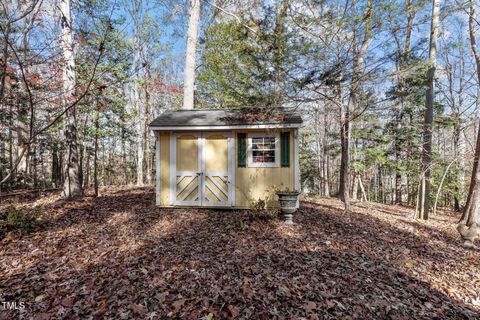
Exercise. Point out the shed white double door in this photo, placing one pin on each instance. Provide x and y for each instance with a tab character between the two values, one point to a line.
202	169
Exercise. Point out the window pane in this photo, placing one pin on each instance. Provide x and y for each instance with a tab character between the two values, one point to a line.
263	149
267	143
256	141
269	139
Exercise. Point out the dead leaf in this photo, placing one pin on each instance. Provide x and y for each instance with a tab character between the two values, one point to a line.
161	296
309	306
39	298
43	316
409	263
330	304
178	304
139	309
67	302
234	312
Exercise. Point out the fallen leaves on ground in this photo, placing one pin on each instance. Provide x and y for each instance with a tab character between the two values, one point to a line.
121	257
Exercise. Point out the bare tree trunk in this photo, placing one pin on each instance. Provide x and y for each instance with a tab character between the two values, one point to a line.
95	153
72	187
34	166
192	36
3	74
113	160
456	154
140	145
56	165
468	226
318	145
136	13
44	174
344	187
2	154
124	146
424	201
140	119
459	186
355	186
104	165
344	183
86	180
124	160
381	191
4	62
362	188
10	149
326	158
140	134
146	136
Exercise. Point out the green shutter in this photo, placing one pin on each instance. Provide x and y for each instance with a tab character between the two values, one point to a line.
285	149
242	150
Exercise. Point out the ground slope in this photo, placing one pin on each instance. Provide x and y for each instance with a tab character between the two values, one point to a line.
118	256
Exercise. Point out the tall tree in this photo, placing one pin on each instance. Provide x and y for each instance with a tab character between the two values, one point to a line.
352	105
72	186
402	63
136	11
468	226
424	197
279	51
190	56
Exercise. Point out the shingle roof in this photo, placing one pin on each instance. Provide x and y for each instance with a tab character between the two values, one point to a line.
227	117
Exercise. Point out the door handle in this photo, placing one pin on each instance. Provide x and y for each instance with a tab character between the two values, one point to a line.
199	173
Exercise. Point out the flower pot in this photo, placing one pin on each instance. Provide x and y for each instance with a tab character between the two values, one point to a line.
288	204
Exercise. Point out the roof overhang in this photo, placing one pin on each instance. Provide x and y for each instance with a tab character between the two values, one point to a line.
233	127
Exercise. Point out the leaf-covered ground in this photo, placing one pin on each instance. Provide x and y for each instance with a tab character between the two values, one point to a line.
120	257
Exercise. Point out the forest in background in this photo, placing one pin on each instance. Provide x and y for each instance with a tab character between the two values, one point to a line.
388	89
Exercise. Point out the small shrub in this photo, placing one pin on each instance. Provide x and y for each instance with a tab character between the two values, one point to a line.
243	225
18	220
12	218
259	211
258	205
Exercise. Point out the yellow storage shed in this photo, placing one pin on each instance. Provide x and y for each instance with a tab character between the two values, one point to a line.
230	158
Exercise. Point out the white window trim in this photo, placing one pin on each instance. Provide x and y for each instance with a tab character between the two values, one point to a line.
250	162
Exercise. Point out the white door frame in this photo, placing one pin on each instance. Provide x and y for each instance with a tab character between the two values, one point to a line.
174	172
201	165
230	173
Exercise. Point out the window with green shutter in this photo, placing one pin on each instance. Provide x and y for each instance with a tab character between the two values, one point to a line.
242	150
285	149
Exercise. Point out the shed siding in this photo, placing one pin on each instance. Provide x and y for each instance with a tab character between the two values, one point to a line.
253	184
165	169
